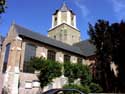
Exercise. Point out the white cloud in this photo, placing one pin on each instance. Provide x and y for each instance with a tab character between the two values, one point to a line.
119	8
82	7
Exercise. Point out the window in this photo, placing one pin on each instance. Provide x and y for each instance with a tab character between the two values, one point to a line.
72	20
55	21
54	36
65	34
30	51
66	58
6	57
79	60
60	36
51	55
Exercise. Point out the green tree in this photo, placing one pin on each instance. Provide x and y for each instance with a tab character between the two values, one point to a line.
101	38
110	43
75	71
118	41
95	88
2	6
48	70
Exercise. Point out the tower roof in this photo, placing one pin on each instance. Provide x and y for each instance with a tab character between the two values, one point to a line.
64	7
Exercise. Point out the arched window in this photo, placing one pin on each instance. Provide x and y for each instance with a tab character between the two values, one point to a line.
72	20
30	51
55	21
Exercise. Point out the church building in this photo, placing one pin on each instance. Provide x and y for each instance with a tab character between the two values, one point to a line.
63	43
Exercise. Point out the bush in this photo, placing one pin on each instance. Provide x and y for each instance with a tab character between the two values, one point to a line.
79	71
48	69
95	88
75	71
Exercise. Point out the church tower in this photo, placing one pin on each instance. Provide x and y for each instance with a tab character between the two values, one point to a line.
64	26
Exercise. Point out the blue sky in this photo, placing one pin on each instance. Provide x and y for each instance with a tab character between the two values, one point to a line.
36	14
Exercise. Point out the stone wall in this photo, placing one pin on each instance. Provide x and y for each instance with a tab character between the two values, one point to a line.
1	82
65	33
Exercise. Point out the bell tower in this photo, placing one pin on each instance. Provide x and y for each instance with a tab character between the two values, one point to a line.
64	15
64	26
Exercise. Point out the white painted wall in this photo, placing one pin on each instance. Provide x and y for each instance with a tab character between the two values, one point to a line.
59	18
68	18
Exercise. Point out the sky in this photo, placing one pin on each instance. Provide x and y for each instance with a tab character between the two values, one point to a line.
36	15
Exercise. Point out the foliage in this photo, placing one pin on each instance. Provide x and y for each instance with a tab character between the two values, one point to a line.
51	69
110	43
118	42
2	6
84	89
74	71
35	62
101	39
95	88
68	72
48	69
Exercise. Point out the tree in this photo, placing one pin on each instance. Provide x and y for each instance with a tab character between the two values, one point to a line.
118	40
110	43
76	71
2	6
82	72
48	70
52	69
95	88
102	40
